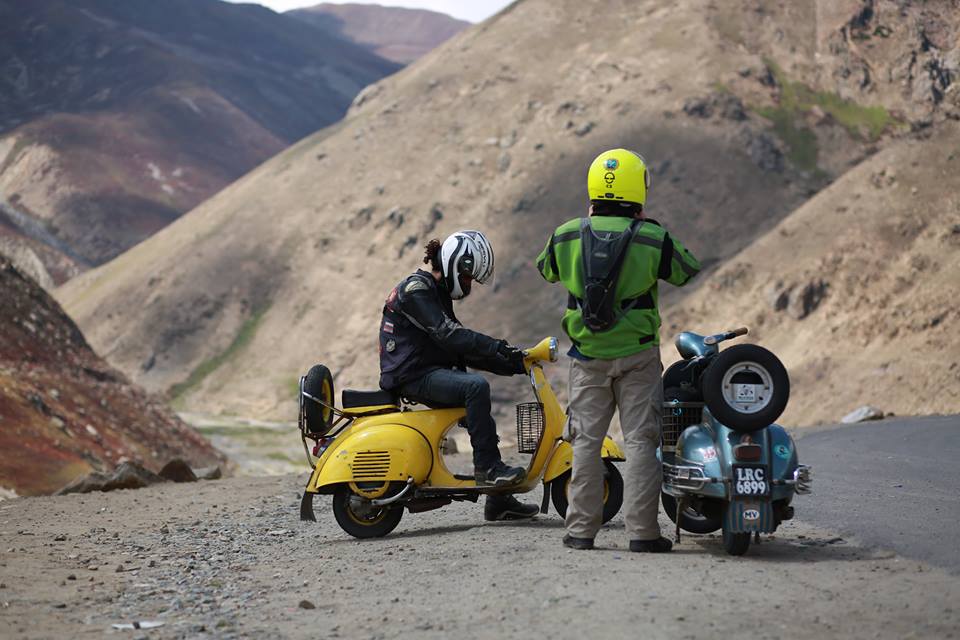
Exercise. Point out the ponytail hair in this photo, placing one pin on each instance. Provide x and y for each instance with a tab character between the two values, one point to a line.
432	254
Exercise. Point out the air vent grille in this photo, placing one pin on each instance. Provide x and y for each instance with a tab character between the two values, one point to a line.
371	465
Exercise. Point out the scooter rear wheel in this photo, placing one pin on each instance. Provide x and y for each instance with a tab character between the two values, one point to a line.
736	544
359	518
612	492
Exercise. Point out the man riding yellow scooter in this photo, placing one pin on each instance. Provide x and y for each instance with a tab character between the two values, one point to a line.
425	350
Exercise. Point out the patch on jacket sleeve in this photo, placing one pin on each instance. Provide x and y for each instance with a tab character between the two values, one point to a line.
416	284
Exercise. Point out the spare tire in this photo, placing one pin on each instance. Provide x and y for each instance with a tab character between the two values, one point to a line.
318	384
746	387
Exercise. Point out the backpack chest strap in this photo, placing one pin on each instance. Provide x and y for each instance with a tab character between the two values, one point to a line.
643	301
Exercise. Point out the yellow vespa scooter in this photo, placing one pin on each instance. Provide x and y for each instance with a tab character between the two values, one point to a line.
377	457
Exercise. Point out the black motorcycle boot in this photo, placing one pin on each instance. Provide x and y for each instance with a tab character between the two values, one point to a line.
580	544
660	545
506	507
499	475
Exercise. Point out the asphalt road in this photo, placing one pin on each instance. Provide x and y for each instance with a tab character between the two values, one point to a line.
893	484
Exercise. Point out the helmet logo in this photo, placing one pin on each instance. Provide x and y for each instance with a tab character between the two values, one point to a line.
612	164
609	177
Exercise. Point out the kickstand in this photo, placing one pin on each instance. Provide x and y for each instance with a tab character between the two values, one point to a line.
680	506
756	538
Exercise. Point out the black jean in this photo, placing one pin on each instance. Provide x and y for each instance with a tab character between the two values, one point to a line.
452	388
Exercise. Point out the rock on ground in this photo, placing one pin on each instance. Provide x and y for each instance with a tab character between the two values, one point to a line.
863	414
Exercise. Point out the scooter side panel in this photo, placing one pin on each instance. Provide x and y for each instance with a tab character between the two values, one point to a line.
696	446
381	453
783	461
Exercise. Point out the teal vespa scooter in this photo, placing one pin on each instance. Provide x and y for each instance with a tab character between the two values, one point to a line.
726	465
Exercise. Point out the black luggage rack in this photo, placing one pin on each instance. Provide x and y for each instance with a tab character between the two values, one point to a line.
677	416
530	425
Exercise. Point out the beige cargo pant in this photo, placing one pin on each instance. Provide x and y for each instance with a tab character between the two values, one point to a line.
598	387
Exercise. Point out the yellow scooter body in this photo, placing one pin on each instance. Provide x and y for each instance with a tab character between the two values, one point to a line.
394	446
390	447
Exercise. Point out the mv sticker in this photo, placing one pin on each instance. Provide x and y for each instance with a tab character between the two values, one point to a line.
751	514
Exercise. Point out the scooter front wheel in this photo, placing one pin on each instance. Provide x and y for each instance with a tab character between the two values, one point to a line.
361	519
612	492
690	519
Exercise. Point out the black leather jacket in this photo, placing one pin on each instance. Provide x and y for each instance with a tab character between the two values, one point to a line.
419	333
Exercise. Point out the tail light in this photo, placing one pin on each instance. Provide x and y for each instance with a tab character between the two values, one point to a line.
748	452
322	444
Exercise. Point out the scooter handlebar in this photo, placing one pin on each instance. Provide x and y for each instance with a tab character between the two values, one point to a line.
546	351
720	337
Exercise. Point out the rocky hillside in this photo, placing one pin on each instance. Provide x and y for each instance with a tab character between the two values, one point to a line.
394	33
63	411
858	291
744	110
116	117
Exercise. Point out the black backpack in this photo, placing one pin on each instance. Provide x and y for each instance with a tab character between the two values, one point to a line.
602	254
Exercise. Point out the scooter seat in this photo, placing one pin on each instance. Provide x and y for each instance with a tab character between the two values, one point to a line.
352	399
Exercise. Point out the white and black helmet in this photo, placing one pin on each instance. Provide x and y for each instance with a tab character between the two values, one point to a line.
465	256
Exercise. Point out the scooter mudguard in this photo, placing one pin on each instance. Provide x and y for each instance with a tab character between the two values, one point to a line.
562	459
745	515
377	454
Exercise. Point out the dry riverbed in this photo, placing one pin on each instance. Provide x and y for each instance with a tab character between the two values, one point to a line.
230	559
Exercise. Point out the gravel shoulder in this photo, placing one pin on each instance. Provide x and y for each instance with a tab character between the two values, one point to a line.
230	559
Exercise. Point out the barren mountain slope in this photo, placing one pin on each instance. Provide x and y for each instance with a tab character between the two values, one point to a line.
494	130
394	33
858	291
116	117
64	411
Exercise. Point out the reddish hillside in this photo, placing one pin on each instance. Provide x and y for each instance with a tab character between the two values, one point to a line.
397	34
63	411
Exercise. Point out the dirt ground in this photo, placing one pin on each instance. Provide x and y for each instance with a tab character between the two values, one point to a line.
230	559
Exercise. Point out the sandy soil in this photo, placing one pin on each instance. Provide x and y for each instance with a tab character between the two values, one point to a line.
230	559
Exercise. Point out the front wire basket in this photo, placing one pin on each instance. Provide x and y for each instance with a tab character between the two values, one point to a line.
677	416
530	424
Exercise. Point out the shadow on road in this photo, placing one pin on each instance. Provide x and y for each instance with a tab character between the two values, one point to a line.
810	549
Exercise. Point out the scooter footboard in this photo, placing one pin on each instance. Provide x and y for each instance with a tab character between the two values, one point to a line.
750	516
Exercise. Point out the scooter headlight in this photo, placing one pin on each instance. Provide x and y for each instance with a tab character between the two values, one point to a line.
554	349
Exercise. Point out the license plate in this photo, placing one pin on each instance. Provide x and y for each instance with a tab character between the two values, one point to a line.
750	480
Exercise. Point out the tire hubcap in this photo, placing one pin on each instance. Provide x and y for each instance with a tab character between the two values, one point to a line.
747	387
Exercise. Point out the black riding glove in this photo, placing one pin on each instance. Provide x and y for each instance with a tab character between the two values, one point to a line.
512	355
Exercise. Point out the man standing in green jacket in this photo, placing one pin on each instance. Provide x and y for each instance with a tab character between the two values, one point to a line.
610	263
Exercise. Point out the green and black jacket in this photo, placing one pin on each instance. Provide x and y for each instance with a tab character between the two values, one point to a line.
653	255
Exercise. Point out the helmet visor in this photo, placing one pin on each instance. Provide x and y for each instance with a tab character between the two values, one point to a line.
646	171
466	283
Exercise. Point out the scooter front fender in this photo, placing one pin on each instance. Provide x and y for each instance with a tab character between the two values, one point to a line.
562	459
381	453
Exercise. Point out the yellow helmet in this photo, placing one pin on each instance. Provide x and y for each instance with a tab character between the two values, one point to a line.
619	175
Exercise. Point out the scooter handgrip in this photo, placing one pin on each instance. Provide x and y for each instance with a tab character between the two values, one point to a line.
742	331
